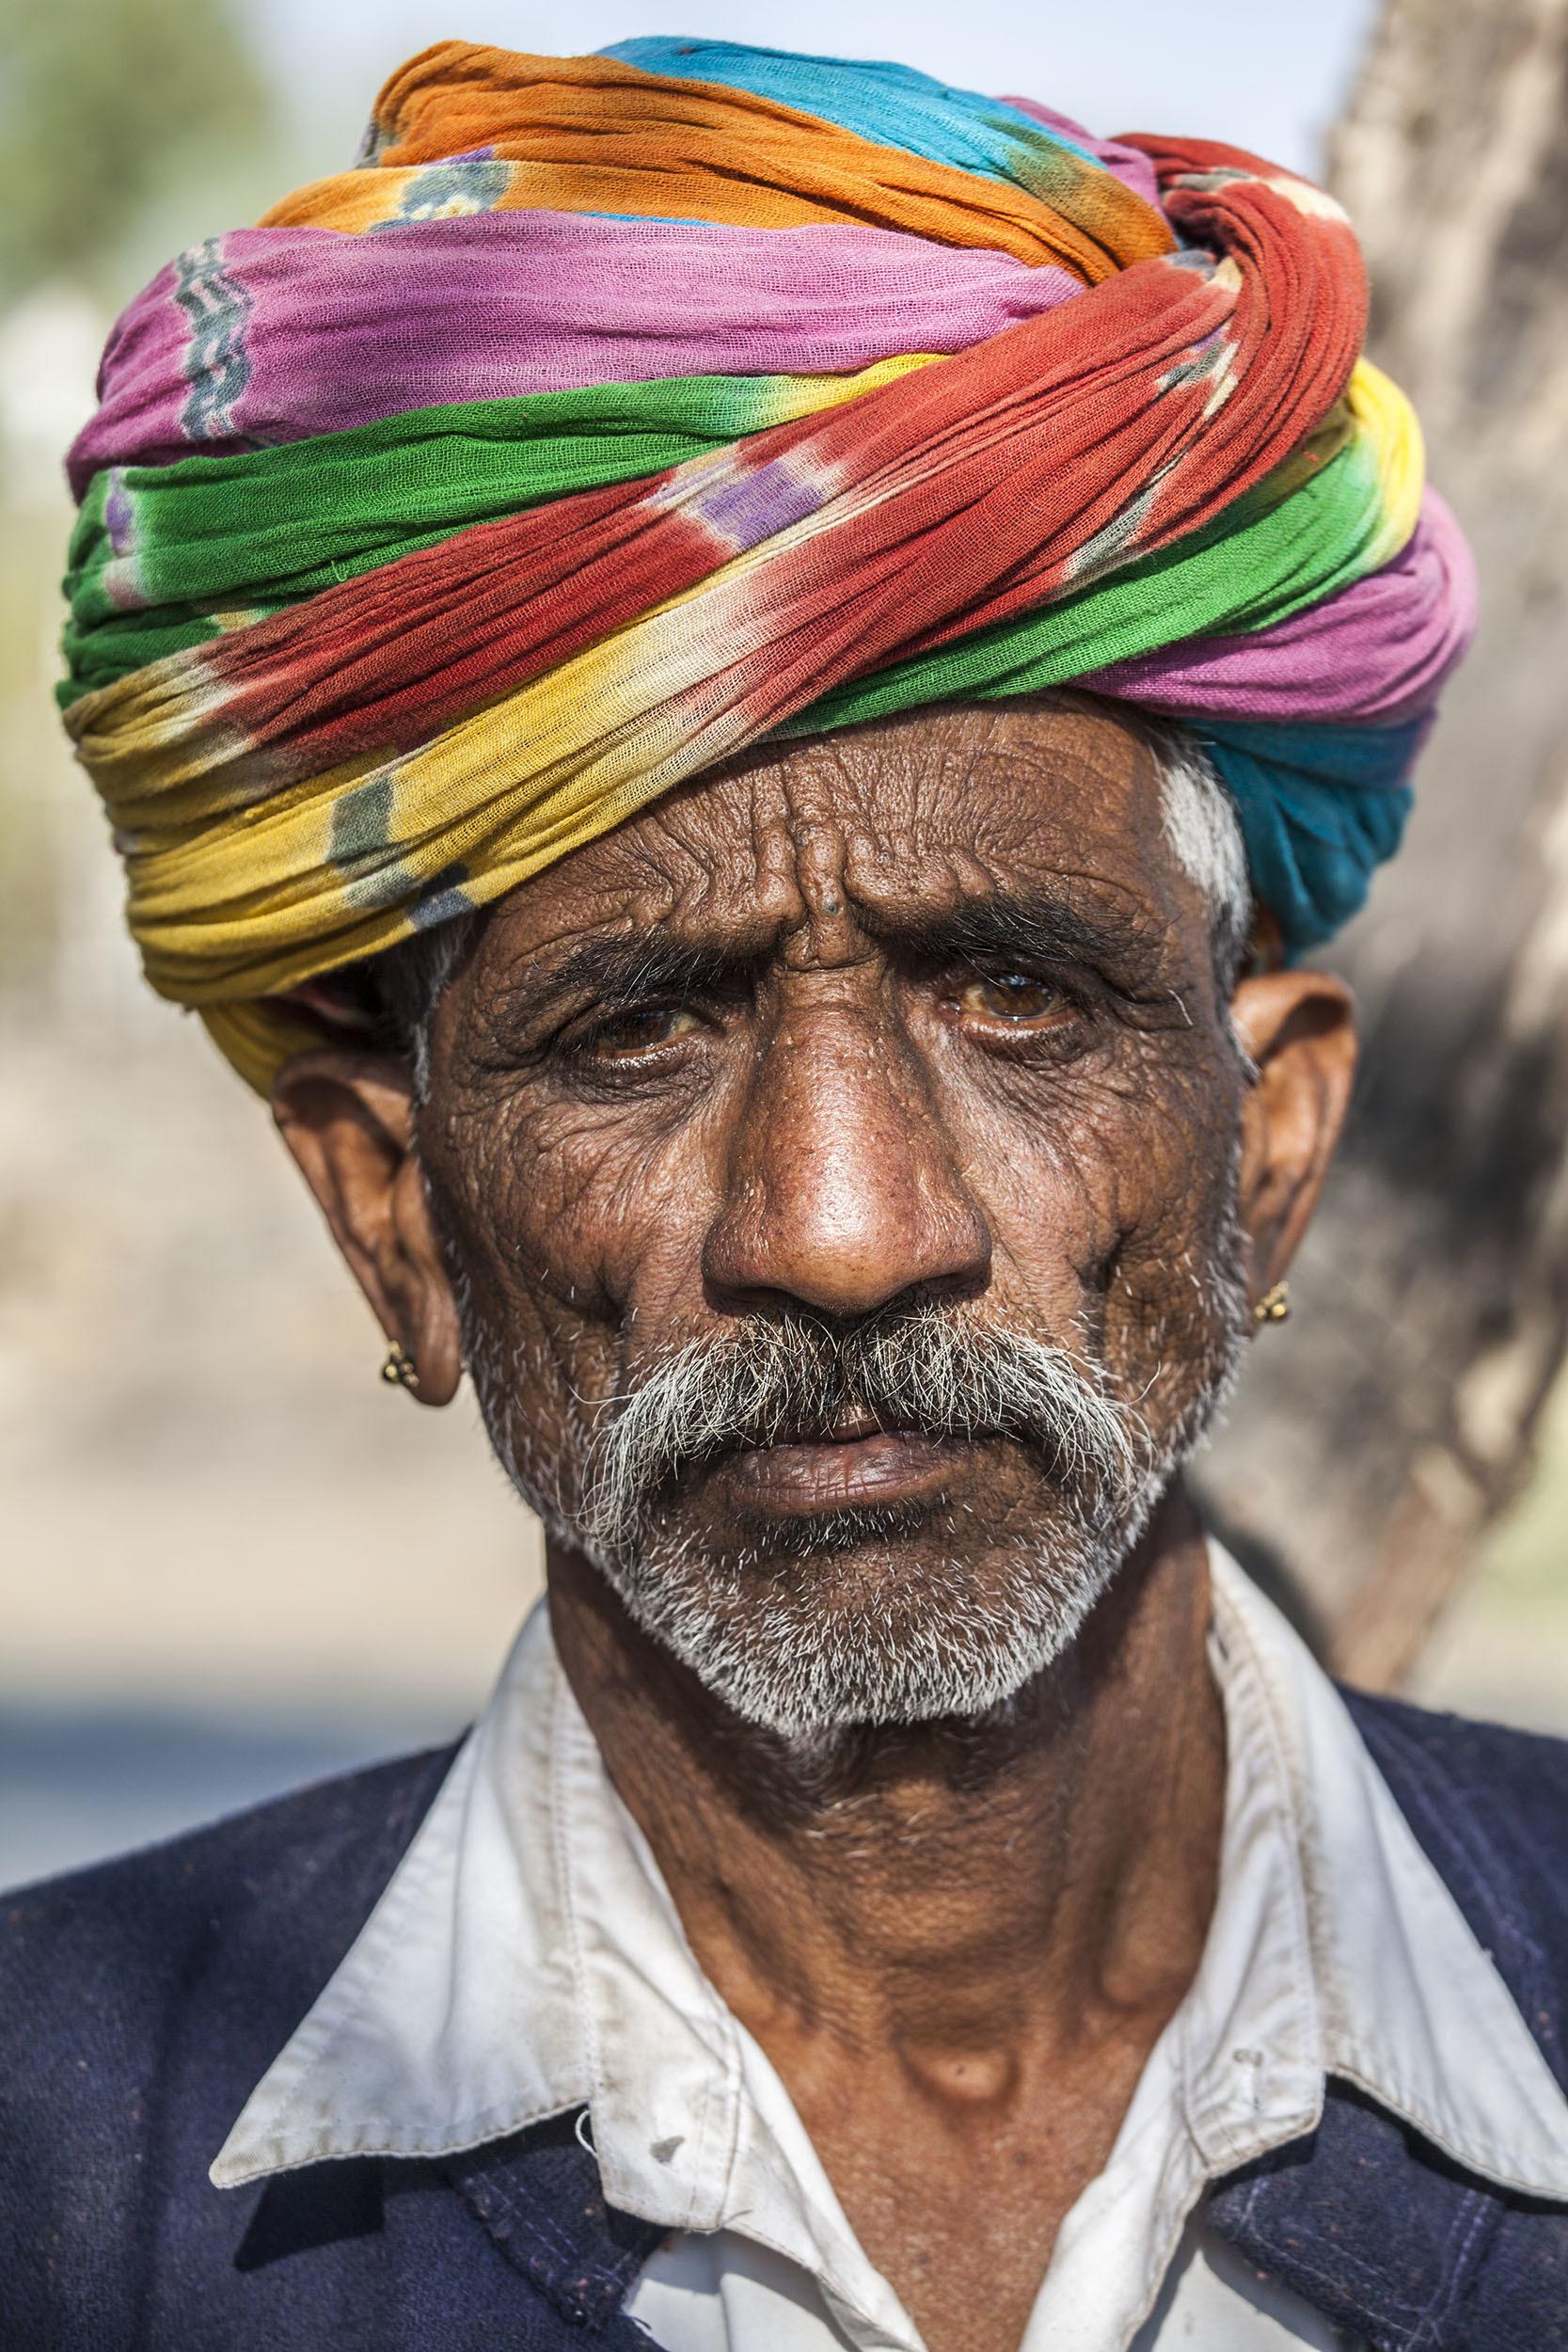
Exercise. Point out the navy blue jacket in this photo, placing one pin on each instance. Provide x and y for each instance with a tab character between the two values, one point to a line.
140	2002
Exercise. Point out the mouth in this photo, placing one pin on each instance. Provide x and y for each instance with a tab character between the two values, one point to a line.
857	1462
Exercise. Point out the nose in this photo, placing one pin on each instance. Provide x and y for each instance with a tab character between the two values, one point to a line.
842	1190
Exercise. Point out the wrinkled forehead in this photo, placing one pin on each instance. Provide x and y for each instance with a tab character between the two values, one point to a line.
899	821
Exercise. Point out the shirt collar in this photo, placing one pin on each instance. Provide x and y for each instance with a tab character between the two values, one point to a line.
526	1958
1412	2008
452	2020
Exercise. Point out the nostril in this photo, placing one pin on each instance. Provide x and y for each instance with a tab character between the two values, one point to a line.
816	1249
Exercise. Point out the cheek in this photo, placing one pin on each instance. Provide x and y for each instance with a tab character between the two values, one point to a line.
1104	1184
581	1216
1167	1310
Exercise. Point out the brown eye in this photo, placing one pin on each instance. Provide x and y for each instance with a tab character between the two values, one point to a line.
1017	996
641	1031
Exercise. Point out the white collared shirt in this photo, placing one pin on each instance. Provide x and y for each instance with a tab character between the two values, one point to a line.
526	1960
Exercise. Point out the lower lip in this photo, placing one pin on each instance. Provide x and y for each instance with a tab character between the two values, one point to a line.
834	1475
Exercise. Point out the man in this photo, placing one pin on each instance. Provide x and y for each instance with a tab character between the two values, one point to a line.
760	864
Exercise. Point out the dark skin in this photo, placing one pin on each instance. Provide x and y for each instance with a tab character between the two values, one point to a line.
943	1023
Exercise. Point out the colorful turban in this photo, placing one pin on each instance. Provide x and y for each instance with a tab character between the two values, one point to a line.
613	413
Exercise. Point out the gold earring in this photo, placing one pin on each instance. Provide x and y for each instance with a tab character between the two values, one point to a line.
399	1370
1275	1305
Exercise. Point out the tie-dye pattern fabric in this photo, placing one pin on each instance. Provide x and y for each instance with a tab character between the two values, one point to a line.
327	332
440	523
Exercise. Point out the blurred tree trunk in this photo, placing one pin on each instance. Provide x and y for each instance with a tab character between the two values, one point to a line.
1378	1434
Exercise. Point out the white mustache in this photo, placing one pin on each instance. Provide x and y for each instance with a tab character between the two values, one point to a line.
766	1381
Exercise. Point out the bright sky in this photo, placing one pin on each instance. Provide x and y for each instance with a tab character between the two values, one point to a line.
1267	74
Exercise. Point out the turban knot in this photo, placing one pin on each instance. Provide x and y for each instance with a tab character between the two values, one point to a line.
613	413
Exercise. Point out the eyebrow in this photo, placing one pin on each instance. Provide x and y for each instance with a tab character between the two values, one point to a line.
1034	927
616	970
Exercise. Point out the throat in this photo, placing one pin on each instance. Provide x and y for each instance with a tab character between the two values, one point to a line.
957	1944
955	2173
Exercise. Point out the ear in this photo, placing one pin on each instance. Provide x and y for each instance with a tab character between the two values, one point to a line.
348	1118
1299	1029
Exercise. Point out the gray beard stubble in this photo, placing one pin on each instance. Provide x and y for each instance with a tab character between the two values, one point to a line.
933	1646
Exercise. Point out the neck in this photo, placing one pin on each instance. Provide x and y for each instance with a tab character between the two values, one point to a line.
958	1889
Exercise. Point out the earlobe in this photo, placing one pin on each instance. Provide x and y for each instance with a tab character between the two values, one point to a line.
1299	1029
348	1119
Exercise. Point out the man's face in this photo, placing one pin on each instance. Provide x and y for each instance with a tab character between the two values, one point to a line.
837	1164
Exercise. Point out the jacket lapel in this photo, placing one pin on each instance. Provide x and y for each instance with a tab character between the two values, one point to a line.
538	2195
1367	2222
1377	2233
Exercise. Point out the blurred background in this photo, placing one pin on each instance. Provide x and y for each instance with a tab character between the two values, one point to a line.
232	1559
